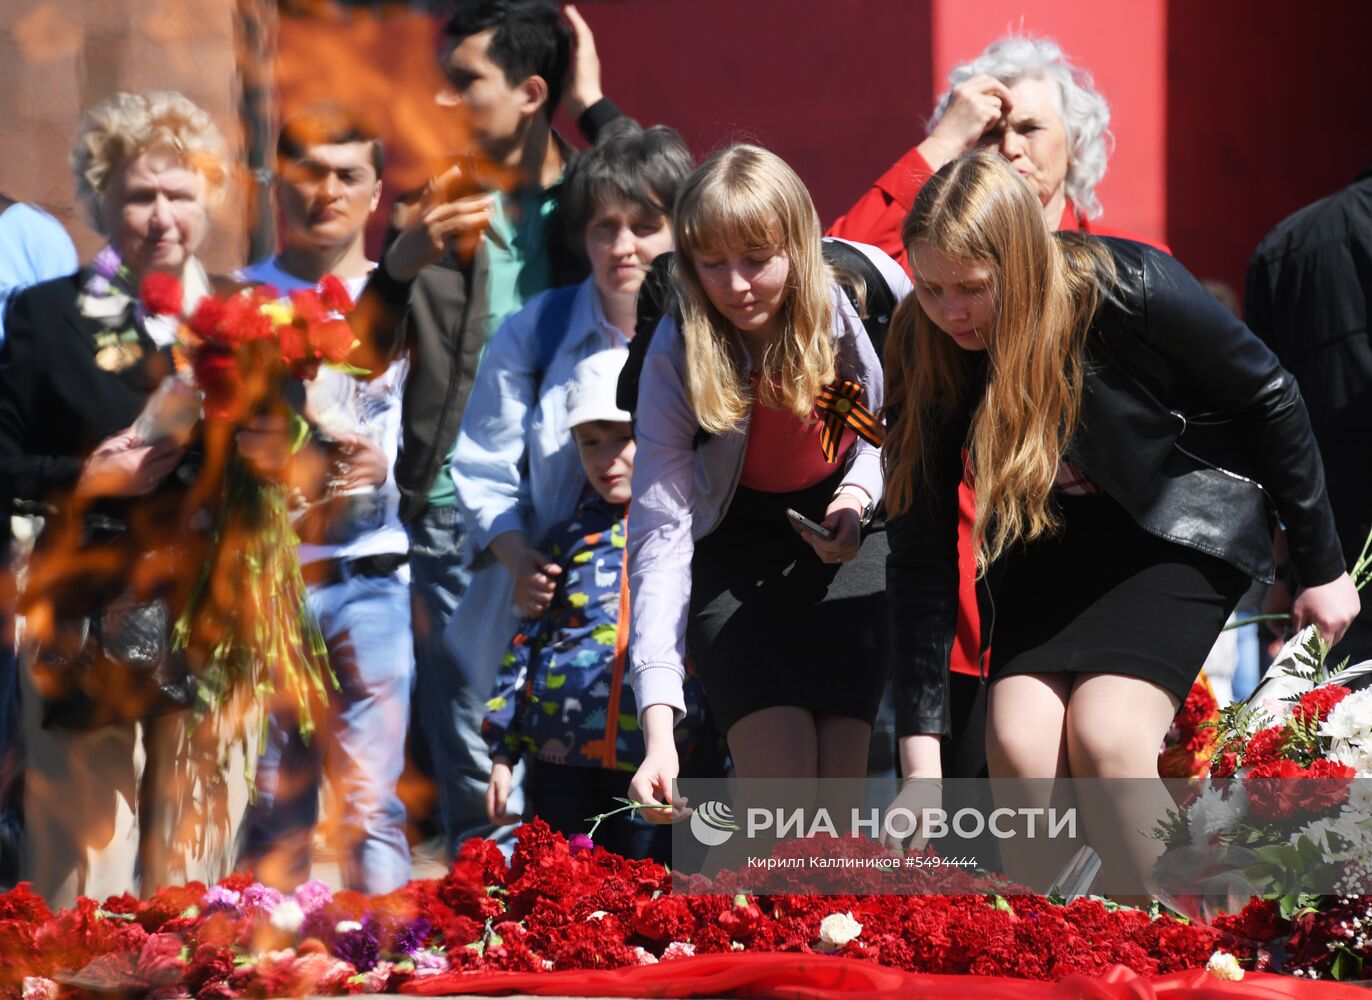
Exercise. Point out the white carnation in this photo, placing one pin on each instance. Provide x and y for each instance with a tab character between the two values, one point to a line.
837	929
288	916
1356	754
1359	797
1212	813
1224	966
1351	719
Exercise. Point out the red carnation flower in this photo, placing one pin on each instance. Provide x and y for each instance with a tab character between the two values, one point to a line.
1316	705
335	294
209	313
236	881
240	321
1281	788
216	373
294	345
308	306
488	859
333	340
20	903
161	294
208	964
1265	746
1223	765
664	920
1259	920
159	962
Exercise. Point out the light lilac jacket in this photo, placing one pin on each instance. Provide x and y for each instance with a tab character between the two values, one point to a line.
682	492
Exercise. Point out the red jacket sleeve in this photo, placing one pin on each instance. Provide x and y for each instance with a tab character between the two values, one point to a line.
878	215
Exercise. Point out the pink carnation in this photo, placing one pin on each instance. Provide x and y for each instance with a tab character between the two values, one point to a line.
312	895
374	980
262	897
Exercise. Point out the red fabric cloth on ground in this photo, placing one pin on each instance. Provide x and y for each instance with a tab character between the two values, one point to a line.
817	977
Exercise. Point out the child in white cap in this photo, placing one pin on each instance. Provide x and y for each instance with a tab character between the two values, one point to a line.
560	694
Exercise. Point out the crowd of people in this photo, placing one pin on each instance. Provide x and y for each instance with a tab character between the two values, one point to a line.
636	472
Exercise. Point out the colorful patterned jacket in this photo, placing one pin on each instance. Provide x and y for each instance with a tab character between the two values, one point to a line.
560	692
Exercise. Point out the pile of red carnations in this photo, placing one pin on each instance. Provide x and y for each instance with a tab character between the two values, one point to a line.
564	907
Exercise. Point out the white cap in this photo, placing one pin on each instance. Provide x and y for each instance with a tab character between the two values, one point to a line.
591	392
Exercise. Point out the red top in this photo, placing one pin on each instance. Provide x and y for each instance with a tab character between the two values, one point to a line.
783	452
876	218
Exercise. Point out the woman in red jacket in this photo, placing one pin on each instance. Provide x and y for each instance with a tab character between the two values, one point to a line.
1022	98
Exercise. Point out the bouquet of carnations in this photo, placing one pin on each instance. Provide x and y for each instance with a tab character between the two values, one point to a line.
246	621
1191	739
1285	814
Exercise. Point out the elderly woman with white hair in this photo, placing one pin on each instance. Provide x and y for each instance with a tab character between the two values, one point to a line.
1022	98
108	773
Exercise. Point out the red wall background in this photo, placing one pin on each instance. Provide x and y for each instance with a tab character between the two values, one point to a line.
1267	110
1227	115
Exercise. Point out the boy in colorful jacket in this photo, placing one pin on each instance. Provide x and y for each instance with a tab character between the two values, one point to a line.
560	694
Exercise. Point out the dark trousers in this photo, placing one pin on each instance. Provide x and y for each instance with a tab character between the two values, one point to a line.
564	796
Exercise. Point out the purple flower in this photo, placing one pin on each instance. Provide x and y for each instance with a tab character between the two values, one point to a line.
319	924
218	899
312	895
360	947
579	842
411	937
260	897
429	963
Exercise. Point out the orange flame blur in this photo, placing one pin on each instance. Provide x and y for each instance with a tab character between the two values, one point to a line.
380	61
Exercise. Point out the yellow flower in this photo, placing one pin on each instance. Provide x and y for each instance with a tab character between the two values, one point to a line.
280	313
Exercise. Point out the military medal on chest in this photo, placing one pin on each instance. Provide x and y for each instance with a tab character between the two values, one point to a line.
115	352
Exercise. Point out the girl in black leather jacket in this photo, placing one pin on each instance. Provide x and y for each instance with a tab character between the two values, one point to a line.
1128	440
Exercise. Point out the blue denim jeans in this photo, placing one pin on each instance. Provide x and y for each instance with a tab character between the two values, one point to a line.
360	746
450	710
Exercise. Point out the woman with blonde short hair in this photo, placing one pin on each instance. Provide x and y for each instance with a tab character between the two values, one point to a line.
760	400
107	793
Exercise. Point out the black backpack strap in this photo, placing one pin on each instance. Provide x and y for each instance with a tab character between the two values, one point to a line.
878	300
654	299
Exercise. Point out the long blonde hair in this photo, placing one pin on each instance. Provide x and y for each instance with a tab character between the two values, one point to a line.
1047	288
745	197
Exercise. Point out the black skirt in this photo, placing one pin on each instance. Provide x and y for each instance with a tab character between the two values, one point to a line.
770	624
1105	596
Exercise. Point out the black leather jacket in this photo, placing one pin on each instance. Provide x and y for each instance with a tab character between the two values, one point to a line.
1187	420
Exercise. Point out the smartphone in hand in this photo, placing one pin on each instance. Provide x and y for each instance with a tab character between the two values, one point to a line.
805	522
